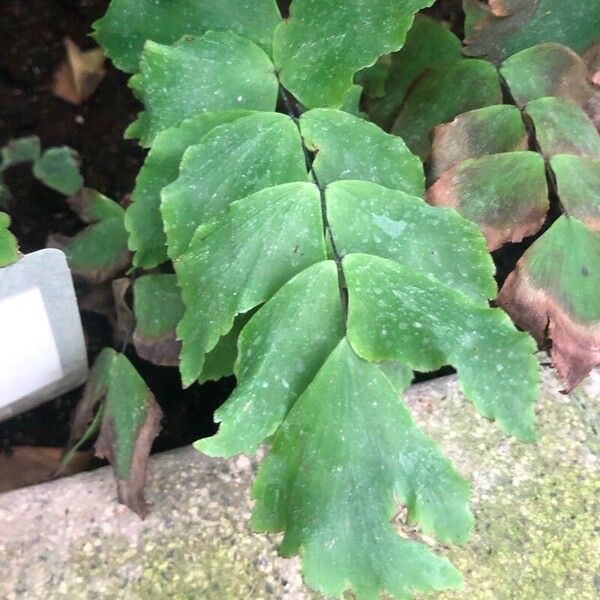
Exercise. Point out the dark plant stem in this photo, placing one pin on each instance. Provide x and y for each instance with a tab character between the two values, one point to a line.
129	333
309	156
507	257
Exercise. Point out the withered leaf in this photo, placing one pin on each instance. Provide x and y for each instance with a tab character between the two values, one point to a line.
79	75
131	481
490	34
505	194
129	419
158	309
489	130
510	26
125	320
552	70
554	291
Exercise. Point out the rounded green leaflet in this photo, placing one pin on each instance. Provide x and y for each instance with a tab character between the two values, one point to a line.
350	148
428	45
446	91
330	483
9	250
562	127
507	209
368	218
320	47
578	183
216	72
127	24
397	313
240	261
19	151
143	220
58	168
264	147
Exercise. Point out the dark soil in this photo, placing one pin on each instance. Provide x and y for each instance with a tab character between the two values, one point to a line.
32	35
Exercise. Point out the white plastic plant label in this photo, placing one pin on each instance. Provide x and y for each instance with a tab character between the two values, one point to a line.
42	350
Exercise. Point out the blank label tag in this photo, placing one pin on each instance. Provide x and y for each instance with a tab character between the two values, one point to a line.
42	350
27	339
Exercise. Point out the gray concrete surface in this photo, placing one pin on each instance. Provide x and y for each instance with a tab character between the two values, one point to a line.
537	509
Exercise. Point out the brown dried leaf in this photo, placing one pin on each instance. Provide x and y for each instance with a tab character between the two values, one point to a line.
130	420
29	465
125	321
130	489
163	351
489	35
553	292
79	75
575	347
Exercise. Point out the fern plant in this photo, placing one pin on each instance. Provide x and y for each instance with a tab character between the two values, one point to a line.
307	263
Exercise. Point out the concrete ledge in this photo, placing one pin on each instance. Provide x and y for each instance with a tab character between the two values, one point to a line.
537	509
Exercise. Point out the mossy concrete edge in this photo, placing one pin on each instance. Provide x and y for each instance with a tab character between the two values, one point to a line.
537	508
